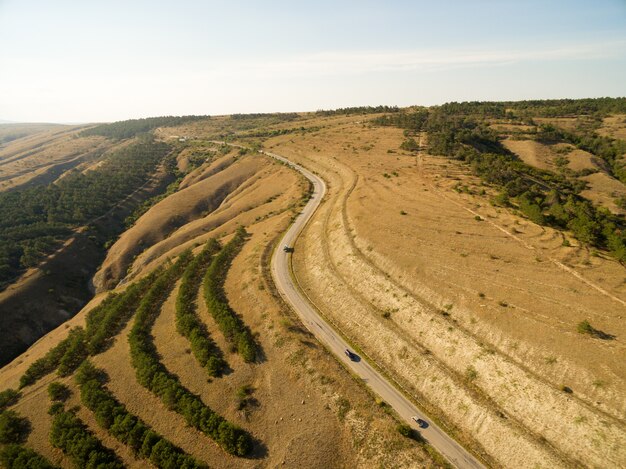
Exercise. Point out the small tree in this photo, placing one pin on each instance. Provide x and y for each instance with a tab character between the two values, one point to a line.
584	327
58	391
13	428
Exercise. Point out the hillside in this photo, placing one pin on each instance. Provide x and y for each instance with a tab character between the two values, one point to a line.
472	252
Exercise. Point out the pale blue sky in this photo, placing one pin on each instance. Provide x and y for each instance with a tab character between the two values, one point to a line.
89	60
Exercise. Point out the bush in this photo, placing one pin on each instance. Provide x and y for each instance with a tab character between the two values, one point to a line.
233	328
18	457
410	145
405	430
58	391
584	327
8	397
13	428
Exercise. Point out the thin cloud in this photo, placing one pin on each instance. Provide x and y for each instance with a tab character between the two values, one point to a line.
355	62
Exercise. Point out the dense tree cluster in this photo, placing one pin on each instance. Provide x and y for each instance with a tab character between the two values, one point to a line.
357	110
231	325
280	116
405	120
34	221
130	128
126	427
71	435
568	107
187	322
154	376
18	457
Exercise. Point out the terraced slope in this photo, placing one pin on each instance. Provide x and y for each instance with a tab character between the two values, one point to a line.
289	383
471	309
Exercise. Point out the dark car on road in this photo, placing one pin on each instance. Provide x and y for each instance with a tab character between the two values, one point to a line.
420	422
351	355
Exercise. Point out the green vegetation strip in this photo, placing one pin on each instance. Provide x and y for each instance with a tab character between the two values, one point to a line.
102	324
126	427
19	457
187	322
231	325
132	127
71	435
154	376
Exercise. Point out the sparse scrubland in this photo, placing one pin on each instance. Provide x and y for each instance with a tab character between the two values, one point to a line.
473	252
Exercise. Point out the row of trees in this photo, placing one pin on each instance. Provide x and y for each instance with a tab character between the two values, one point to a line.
151	373
18	457
126	427
231	325
35	221
102	324
130	128
187	322
357	110
71	435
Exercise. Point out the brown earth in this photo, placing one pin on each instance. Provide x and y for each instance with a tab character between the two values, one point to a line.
501	298
307	410
42	157
470	307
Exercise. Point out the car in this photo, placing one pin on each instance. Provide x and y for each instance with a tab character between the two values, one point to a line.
351	355
420	422
287	248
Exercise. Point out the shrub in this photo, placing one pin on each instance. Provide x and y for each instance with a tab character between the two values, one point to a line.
410	145
18	457
405	430
584	327
58	391
13	428
8	397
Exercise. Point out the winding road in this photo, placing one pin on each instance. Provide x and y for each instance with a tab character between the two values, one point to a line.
281	273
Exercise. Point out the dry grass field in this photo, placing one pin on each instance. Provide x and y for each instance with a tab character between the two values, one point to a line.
475	316
45	154
305	409
470	307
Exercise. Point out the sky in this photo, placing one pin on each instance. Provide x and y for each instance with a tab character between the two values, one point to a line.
95	61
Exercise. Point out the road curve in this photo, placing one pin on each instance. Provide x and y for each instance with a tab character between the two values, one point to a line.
281	273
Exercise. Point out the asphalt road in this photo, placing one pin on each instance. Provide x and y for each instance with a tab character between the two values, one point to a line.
280	267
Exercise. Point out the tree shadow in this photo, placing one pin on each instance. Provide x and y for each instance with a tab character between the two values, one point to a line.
598	334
